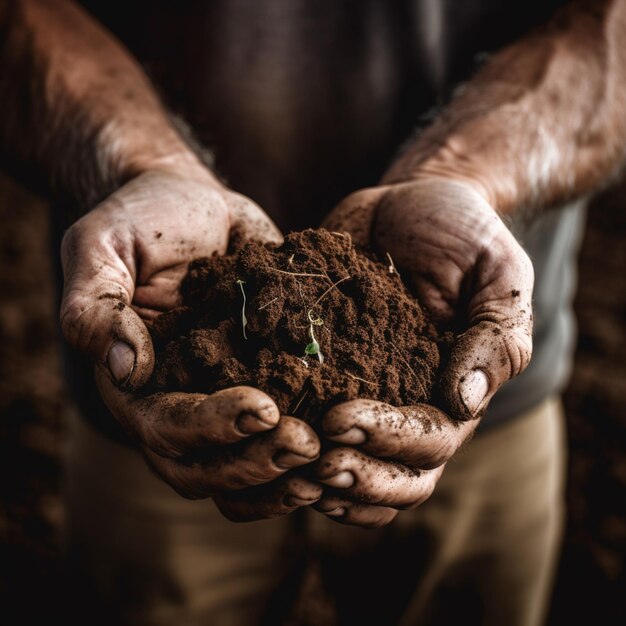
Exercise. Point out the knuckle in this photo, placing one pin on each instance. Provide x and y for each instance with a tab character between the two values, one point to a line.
71	239
369	517
519	351
297	486
378	523
441	452
417	501
252	473
74	308
427	491
526	264
276	491
183	484
421	489
156	441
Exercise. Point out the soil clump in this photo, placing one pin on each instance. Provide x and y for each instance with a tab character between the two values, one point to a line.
312	322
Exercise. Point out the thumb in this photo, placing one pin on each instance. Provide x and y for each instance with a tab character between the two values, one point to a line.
356	214
249	223
497	345
96	316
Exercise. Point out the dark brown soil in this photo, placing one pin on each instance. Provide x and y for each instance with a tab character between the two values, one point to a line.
321	323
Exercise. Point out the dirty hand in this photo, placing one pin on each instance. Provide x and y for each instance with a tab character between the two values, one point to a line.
456	254
123	263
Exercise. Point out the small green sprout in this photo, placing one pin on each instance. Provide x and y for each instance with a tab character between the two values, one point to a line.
244	319
313	348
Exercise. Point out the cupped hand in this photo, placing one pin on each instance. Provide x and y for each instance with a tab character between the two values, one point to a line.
388	459
221	445
123	263
467	269
124	260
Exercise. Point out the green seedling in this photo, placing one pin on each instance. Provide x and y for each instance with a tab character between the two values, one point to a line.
244	319
313	348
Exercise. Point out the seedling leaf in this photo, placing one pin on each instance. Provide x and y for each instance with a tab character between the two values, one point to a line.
313	348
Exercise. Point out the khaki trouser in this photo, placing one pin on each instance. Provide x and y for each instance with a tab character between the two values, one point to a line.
482	549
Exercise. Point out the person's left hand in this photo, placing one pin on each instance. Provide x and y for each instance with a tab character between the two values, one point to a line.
399	456
456	254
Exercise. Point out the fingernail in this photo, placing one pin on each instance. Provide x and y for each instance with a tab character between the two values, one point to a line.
295	501
338	512
250	424
354	436
121	361
287	460
343	480
473	388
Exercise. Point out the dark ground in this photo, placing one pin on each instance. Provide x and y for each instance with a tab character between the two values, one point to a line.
592	577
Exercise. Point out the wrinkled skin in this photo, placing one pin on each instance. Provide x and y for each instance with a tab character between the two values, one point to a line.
123	263
456	254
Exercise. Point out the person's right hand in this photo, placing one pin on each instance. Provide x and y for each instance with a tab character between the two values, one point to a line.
123	263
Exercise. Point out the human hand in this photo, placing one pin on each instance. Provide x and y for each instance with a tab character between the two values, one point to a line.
454	251
123	263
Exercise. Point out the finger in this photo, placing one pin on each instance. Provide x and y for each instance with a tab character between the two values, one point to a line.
280	497
498	343
174	424
250	223
355	214
96	316
229	468
374	481
419	436
355	513
161	292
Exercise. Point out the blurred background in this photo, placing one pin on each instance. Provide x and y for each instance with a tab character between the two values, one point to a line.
592	576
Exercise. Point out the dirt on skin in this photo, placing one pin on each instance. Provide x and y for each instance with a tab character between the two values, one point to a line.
312	322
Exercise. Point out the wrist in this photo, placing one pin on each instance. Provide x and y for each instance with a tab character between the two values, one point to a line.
180	162
447	166
158	149
121	156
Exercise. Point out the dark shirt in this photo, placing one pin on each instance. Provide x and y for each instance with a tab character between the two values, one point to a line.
303	102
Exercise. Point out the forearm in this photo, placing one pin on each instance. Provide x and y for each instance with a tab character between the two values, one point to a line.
543	121
75	105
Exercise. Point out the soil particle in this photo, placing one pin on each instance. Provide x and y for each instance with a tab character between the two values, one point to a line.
323	323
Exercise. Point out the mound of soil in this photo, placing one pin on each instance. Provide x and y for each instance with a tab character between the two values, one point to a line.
312	322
